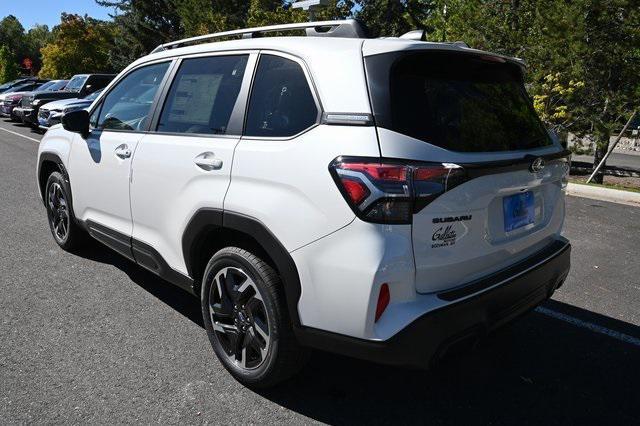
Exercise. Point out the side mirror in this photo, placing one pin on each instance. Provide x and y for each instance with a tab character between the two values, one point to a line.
77	121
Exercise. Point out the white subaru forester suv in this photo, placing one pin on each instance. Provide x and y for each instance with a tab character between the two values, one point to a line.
387	199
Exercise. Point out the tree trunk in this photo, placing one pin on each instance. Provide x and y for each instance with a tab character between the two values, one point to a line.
602	146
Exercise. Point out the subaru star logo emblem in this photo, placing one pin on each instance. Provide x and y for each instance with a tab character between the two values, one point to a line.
537	165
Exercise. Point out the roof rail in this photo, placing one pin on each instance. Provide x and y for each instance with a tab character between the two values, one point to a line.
348	28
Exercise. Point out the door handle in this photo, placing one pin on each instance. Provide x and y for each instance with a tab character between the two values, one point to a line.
208	161
123	151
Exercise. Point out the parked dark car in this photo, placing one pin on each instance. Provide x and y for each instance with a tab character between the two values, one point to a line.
19	81
79	85
52	112
12	97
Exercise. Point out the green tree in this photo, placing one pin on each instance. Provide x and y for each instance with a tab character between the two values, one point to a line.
610	68
273	12
208	16
80	45
142	25
392	18
12	36
37	37
8	67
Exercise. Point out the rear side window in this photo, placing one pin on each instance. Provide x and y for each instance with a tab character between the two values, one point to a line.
128	103
203	95
281	102
455	101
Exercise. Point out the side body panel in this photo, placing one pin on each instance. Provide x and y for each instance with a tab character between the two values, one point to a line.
55	144
100	178
287	186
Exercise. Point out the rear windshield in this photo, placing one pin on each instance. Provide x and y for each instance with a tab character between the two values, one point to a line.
459	102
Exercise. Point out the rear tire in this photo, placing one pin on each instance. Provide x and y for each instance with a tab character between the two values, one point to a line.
62	223
247	321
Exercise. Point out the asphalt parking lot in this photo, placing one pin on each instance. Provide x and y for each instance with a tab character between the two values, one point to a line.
92	338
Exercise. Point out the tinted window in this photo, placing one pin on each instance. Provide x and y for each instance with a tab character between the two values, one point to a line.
23	88
47	85
57	85
203	94
93	96
128	104
98	82
281	102
457	102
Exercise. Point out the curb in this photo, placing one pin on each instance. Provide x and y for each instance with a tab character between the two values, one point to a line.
604	194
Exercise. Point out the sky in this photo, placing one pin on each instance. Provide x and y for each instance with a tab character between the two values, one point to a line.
31	12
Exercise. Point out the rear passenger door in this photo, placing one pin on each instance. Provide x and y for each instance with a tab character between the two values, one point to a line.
184	163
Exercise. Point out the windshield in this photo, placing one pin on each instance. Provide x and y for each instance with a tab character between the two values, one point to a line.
9	84
19	88
94	95
459	102
46	86
76	83
55	85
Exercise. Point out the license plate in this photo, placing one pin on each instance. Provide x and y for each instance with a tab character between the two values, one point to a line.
519	210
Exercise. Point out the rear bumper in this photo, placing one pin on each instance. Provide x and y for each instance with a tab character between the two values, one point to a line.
472	311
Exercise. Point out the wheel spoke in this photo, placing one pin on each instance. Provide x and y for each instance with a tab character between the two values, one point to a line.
261	330
246	291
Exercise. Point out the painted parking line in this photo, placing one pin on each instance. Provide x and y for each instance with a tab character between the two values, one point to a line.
20	134
588	325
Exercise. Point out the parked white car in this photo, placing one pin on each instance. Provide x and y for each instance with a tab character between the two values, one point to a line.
386	199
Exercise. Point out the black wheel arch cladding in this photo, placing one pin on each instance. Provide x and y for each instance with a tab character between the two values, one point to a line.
206	219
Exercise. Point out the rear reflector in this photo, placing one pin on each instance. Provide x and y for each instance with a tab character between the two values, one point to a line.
384	297
390	193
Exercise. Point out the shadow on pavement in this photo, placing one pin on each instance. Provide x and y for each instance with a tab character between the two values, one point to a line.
178	299
539	370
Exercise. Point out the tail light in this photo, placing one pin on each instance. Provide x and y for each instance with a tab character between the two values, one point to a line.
391	192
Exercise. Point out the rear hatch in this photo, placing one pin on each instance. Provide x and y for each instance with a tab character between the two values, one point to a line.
488	179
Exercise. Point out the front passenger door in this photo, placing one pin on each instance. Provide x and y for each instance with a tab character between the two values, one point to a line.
100	165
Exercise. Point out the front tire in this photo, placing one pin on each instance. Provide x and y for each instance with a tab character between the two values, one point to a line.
66	232
246	319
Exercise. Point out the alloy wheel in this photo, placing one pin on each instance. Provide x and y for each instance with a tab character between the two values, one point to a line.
239	318
59	210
